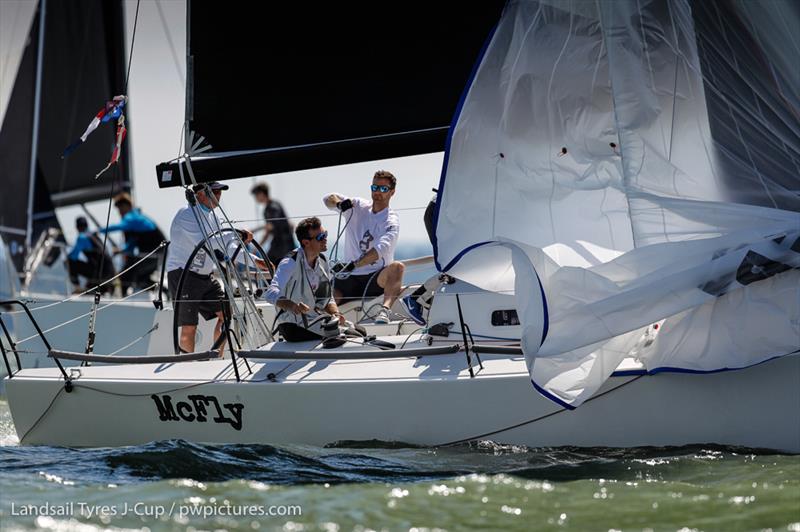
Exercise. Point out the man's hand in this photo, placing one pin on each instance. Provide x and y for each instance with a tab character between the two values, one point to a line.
343	268
300	308
245	235
341	318
345	205
262	264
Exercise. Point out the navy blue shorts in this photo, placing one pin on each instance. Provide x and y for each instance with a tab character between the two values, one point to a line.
357	287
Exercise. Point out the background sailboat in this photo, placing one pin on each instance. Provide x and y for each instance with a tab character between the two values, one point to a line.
70	59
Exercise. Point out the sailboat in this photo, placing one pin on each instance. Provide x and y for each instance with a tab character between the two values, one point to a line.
618	232
67	60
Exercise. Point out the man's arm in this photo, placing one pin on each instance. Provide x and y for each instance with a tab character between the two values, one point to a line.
369	257
337	202
332	309
282	275
81	244
332	200
122	226
276	287
384	244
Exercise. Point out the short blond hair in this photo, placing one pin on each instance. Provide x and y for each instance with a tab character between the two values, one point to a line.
383	174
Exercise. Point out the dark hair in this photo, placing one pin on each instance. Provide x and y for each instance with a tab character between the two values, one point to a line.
383	174
81	224
123	199
304	228
262	188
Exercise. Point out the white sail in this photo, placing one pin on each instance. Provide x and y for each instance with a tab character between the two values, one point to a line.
642	165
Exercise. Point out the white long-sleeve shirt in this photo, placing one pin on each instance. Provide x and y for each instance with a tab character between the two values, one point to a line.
297	281
370	230
185	233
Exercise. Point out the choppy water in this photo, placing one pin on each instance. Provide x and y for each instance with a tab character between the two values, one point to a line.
170	485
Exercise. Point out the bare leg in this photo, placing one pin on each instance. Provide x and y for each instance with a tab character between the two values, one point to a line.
218	331
391	280
188	333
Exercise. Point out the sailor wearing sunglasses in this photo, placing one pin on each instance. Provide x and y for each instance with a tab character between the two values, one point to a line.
371	237
302	285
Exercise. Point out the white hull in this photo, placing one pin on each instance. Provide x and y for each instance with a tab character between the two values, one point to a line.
428	401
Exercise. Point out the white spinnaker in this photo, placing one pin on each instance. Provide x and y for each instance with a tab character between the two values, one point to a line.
597	316
590	123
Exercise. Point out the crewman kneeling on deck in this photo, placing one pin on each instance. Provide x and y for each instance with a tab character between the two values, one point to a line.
301	288
87	259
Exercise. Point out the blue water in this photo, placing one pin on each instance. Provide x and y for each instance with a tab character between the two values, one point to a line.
378	485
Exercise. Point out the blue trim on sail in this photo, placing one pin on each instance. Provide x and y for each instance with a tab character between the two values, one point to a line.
453	123
546	316
552	397
665	369
668	369
462	253
629	373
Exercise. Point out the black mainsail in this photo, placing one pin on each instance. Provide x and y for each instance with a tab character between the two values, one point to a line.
281	87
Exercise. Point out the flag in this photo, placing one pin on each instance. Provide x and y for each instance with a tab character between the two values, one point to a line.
112	110
121	132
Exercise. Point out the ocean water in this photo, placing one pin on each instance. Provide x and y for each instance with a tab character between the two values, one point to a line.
177	485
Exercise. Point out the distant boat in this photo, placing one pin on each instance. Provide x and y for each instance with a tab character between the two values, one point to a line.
60	76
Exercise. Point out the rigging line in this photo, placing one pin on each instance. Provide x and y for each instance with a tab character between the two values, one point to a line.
130	55
108	221
317	215
168	34
83	315
339	232
410	335
246	256
39	419
481	436
36	423
221	241
92	289
153	328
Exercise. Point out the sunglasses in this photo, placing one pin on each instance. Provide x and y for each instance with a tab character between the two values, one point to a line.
381	188
322	236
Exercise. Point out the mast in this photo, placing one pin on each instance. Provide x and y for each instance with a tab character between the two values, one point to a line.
35	140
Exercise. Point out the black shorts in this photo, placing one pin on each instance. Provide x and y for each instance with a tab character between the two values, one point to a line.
353	287
200	294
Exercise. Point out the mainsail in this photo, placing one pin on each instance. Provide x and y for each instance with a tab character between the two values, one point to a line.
276	87
637	162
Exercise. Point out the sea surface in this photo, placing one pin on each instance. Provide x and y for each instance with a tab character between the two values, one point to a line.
178	485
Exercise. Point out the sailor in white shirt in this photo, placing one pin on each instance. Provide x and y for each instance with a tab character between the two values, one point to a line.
302	285
371	237
201	294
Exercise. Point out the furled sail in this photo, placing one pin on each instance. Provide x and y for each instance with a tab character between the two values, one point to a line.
276	87
637	162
